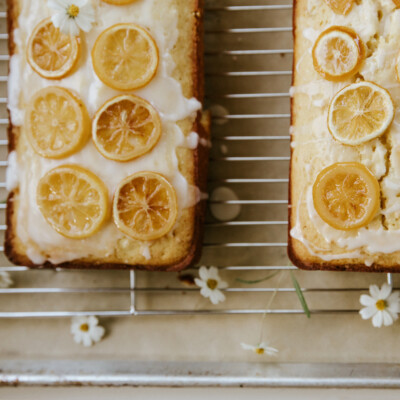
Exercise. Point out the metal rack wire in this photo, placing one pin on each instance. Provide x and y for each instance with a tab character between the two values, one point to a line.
248	69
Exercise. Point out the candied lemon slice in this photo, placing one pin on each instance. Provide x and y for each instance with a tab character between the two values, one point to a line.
50	53
145	206
341	7
125	57
119	2
338	53
346	195
57	122
73	200
126	127
360	112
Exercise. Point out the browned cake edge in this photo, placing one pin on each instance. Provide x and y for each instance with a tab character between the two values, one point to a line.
297	252
201	126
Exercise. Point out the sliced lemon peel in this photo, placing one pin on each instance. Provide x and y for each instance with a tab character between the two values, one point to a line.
145	206
346	195
360	112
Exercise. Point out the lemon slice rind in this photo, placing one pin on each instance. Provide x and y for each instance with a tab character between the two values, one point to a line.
73	200
350	124
360	192
126	126
116	60
348	48
65	42
46	127
138	208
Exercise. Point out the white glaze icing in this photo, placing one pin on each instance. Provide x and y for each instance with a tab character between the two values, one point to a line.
382	35
12	173
164	93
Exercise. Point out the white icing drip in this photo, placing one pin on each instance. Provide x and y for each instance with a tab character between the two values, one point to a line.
373	240
192	140
311	34
368	262
297	233
14	90
12	173
35	256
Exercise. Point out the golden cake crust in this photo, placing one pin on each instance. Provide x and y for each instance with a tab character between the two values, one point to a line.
192	163
298	253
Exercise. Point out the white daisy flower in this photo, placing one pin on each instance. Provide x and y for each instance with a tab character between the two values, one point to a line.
5	280
210	284
382	305
261	349
86	330
72	15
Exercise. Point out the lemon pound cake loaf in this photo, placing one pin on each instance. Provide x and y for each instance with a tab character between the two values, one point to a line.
107	163
344	208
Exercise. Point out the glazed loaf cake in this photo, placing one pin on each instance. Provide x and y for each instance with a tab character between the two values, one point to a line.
42	233
344	208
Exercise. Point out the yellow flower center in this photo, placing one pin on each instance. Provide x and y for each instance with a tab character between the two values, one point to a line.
381	305
73	11
84	327
212	284
259	350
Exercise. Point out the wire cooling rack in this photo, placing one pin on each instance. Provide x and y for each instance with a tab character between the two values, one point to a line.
248	74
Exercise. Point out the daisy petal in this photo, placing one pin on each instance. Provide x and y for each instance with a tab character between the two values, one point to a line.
77	338
246	346
377	319
393	314
394	307
213	273
271	351
393	298
375	292
368	312
62	24
205	292
87	341
199	282
74	29
366	300
59	19
387	318
216	297
57	5
385	291
203	273
92	320
97	333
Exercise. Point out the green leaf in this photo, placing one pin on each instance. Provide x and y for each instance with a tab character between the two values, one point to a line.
257	280
300	295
